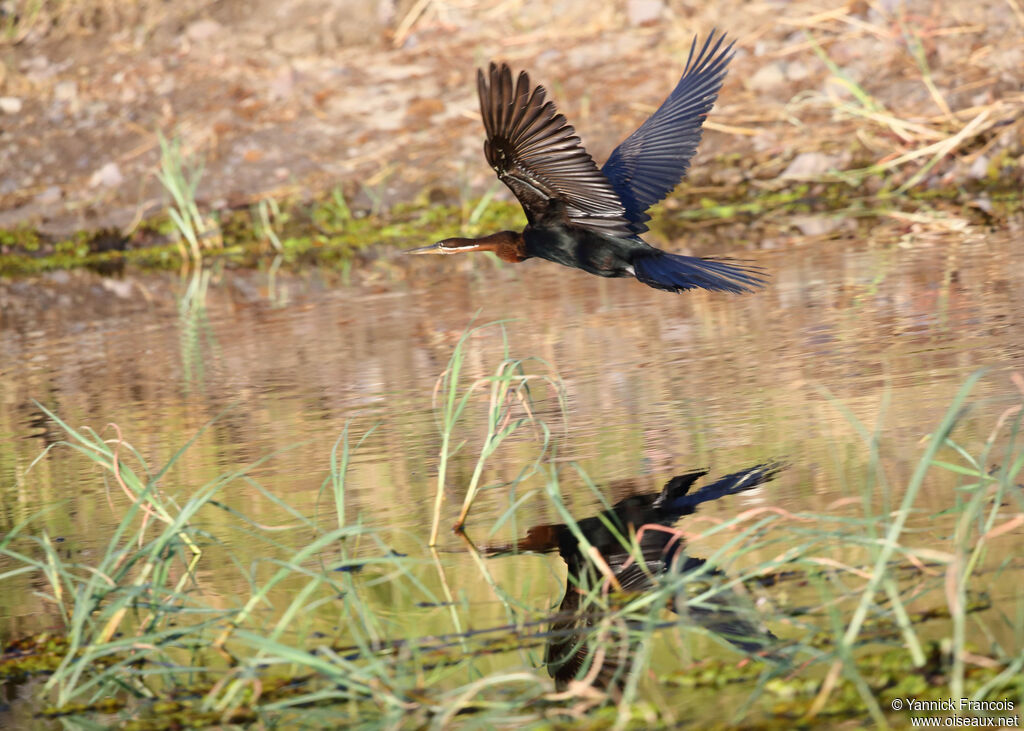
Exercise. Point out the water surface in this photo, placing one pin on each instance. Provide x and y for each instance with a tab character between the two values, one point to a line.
883	327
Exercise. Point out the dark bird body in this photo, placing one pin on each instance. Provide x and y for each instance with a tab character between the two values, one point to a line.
635	541
589	218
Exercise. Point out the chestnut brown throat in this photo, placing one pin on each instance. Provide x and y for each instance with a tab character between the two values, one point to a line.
507	245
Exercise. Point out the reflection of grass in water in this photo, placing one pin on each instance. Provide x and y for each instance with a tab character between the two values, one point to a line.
140	621
267	217
194	327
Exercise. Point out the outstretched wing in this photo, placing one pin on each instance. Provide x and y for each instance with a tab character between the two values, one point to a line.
537	154
651	161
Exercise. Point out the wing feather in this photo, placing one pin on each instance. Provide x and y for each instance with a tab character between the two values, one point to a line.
537	154
651	161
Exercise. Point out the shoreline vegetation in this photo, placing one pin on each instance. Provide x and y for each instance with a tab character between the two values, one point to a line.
327	232
142	643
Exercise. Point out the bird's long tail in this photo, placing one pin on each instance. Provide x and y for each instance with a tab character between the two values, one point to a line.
675	273
675	500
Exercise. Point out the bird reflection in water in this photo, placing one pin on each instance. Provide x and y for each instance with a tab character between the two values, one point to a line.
637	551
588	218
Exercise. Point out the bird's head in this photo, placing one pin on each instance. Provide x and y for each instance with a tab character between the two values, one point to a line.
448	246
508	245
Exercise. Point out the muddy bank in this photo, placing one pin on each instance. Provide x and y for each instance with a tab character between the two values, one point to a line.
294	99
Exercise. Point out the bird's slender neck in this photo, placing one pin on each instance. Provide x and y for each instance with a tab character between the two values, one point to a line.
508	245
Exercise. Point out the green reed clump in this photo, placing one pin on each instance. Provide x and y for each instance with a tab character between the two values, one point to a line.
180	176
139	626
509	407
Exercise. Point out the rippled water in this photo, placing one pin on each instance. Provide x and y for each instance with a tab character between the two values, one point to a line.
654	382
887	326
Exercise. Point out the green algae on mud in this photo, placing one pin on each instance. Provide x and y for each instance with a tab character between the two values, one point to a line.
322	233
890	672
327	232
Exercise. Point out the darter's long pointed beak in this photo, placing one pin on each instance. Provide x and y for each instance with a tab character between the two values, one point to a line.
432	249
